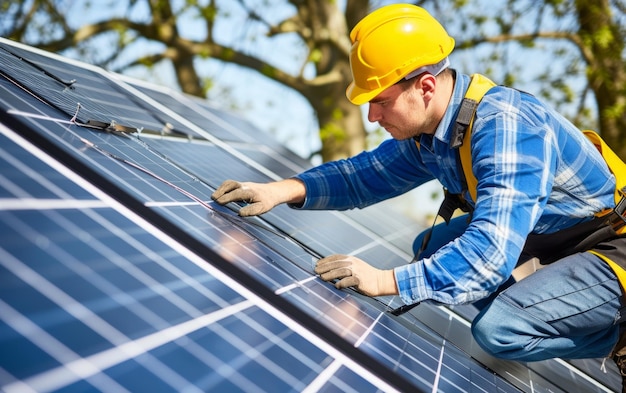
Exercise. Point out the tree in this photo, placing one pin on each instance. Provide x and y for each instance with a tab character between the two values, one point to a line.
573	48
320	25
583	75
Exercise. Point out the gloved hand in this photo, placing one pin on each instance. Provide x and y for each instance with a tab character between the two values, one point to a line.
354	272
260	197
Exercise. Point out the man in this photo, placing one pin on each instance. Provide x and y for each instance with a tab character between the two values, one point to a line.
539	180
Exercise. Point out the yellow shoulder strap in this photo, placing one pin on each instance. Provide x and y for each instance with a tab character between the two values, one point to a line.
479	85
477	89
615	164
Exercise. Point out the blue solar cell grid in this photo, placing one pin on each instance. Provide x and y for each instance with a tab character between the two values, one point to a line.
118	273
103	303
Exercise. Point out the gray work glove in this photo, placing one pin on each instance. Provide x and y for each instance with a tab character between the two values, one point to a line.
354	272
260	197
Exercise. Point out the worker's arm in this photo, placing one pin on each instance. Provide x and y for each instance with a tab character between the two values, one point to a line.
261	197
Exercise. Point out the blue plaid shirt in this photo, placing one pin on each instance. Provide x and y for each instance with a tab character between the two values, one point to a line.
537	173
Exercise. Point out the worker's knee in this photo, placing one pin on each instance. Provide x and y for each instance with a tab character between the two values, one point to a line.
483	328
497	330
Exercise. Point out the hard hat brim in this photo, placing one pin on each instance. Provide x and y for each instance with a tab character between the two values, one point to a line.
359	96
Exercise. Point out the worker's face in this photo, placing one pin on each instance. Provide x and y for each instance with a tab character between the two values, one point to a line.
401	110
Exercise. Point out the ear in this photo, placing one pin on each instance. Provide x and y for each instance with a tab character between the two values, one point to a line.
427	83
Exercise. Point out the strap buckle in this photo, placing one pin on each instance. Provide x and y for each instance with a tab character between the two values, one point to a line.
463	120
619	218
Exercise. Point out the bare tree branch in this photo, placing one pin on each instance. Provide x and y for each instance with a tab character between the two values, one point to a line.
594	37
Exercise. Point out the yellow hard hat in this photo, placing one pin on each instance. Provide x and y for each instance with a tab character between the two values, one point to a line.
390	43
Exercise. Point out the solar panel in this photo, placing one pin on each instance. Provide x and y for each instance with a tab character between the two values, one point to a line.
119	273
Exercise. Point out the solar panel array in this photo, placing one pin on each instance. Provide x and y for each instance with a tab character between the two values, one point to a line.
118	273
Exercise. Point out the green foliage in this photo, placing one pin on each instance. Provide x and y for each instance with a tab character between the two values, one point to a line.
315	56
205	52
208	13
603	37
146	62
228	53
5	5
527	43
207	85
459	3
332	132
615	111
337	114
509	79
268	71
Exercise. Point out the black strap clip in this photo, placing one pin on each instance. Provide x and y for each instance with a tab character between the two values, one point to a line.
618	219
463	120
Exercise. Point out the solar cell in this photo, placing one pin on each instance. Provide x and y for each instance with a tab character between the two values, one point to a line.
119	273
104	301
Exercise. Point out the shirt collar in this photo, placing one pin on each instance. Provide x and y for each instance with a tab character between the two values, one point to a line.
445	127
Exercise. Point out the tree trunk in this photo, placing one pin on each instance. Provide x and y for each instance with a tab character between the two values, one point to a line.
602	40
186	73
342	131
